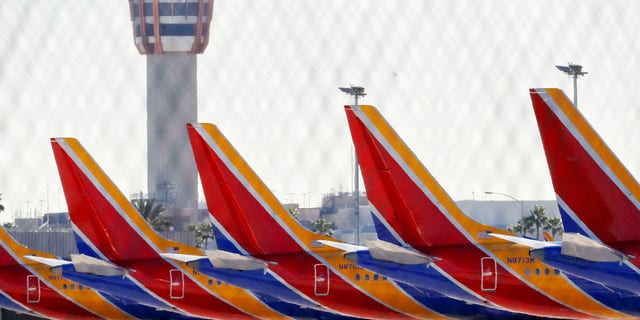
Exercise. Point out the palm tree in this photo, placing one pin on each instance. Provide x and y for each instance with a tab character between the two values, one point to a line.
6	225
517	228
152	213
523	226
528	224
204	232
538	218
294	212
322	226
554	225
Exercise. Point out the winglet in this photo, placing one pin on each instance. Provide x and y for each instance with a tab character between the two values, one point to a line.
596	194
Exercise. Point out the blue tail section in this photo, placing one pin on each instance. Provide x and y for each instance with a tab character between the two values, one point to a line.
383	231
298	312
609	274
455	308
85	248
7	303
142	311
121	287
570	222
224	243
420	275
619	299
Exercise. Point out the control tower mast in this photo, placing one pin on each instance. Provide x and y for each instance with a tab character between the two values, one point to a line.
171	34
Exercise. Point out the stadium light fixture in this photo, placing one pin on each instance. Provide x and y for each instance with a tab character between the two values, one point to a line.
574	70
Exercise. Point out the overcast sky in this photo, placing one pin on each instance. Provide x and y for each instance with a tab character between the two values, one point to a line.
452	77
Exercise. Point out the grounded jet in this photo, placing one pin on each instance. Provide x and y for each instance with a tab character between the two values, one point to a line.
252	220
35	289
597	196
422	215
110	229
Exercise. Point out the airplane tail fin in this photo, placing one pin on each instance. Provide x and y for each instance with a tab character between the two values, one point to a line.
240	201
596	194
402	190
100	211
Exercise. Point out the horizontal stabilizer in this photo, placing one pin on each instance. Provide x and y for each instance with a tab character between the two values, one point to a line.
579	246
86	264
386	251
228	260
49	261
182	257
531	243
343	246
221	259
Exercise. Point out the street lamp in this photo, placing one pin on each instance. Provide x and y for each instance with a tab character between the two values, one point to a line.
573	70
508	196
356	92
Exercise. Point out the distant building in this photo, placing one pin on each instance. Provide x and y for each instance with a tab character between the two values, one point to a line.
338	208
56	221
27	224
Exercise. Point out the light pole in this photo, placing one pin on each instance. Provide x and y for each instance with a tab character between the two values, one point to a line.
356	92
508	196
573	70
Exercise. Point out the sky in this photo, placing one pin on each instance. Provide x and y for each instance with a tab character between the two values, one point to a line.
452	78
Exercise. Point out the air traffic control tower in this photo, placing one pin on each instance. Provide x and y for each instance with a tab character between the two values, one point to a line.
171	33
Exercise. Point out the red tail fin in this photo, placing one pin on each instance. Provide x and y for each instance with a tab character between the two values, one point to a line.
97	207
399	186
596	194
239	200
